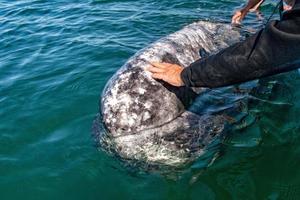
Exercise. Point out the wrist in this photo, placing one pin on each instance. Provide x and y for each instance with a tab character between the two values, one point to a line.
245	10
179	79
183	77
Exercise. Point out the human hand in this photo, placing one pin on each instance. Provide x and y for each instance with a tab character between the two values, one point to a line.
167	72
252	6
238	16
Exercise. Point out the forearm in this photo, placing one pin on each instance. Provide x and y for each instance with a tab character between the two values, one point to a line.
274	53
228	67
240	14
252	3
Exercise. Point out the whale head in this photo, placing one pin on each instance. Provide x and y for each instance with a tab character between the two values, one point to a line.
148	120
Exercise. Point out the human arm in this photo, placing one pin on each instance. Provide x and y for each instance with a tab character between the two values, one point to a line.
277	50
239	15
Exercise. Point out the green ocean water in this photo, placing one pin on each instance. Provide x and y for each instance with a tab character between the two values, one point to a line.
55	59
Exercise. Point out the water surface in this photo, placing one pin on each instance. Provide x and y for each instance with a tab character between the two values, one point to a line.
55	59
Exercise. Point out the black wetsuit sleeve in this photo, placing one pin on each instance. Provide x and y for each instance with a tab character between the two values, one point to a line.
277	50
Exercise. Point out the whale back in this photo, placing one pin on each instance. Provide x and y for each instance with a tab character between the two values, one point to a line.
133	101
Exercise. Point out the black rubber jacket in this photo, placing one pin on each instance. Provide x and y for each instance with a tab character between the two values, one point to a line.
277	50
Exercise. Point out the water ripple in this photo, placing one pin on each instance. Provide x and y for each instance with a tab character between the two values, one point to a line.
55	59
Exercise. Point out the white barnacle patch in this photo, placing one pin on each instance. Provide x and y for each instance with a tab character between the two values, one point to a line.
141	91
146	116
148	105
124	76
123	119
134	116
125	99
130	121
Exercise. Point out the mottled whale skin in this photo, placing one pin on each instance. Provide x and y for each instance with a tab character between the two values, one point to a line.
147	120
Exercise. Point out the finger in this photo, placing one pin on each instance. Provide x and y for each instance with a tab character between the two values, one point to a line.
167	64
236	15
158	65
235	19
237	22
287	7
154	69
158	76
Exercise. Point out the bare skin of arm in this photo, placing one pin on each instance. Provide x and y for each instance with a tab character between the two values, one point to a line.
251	6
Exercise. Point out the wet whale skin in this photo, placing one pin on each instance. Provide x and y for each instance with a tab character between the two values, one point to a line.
148	121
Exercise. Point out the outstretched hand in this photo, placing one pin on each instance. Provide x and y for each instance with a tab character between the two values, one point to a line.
239	16
167	72
252	6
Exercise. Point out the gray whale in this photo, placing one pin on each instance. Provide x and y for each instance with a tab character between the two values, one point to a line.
147	120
